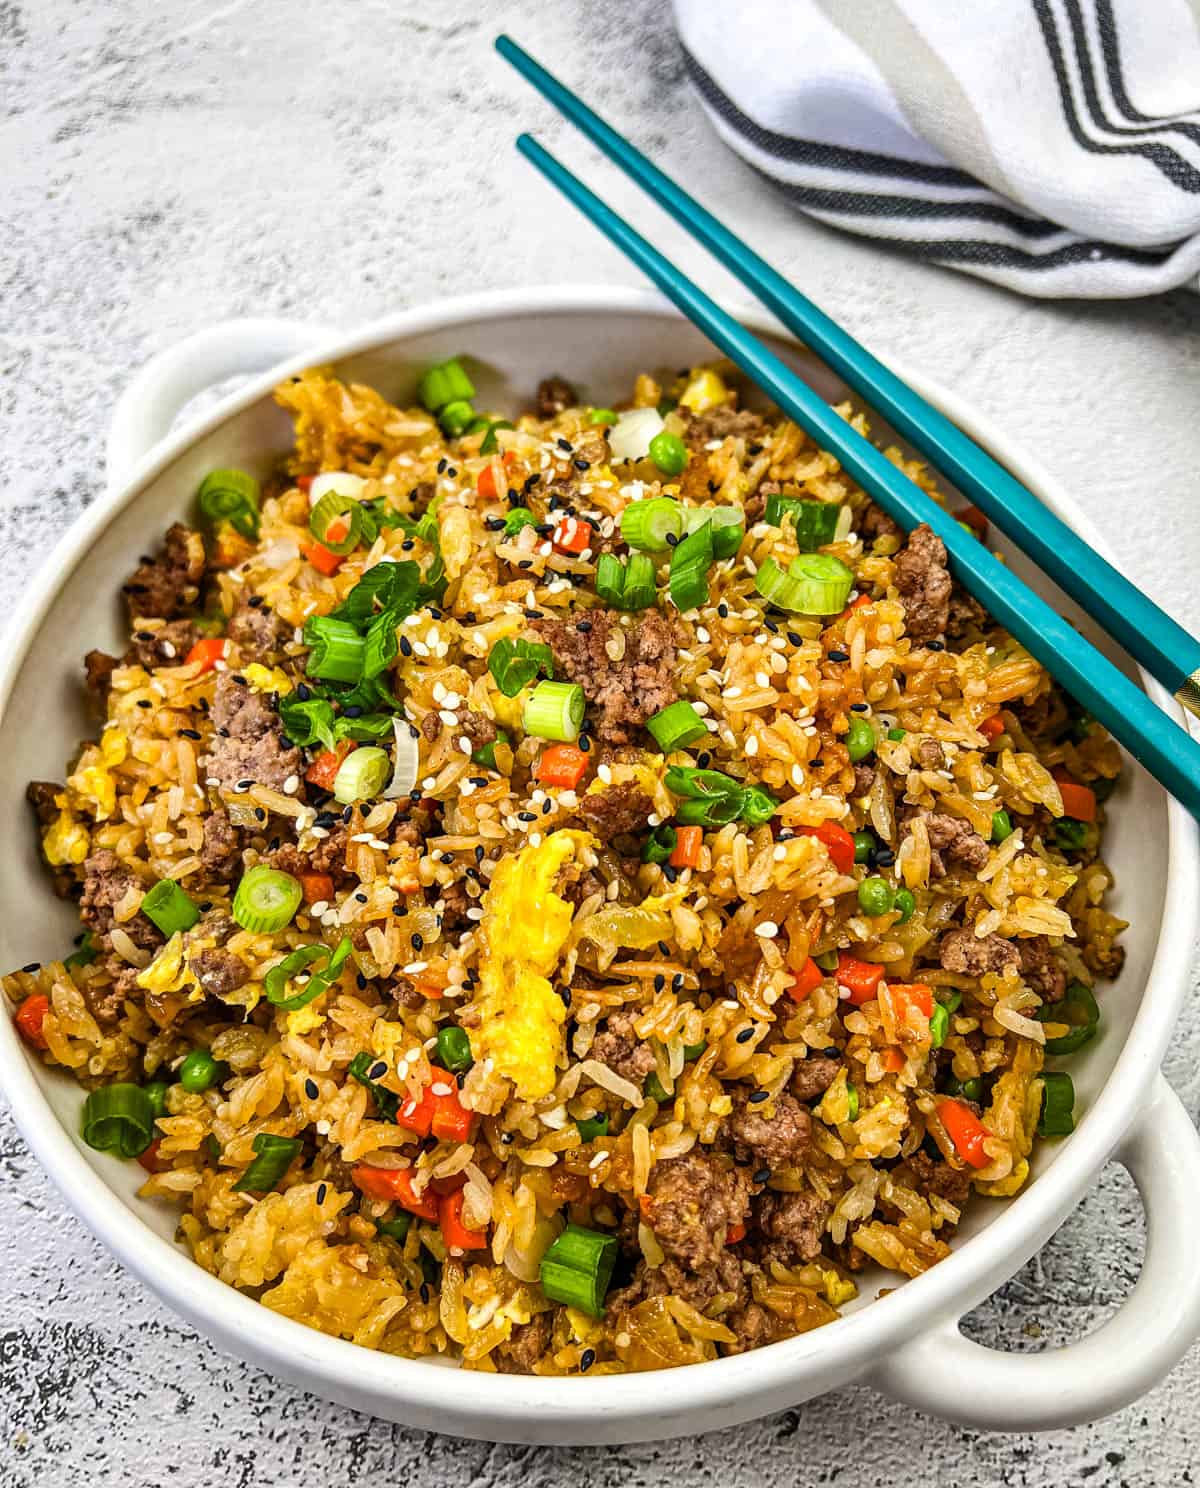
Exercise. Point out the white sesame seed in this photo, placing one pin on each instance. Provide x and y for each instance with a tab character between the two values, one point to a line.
474	913
428	783
320	908
605	774
732	692
323	1128
319	832
162	837
768	929
702	634
439	692
465	746
291	785
361	837
414	967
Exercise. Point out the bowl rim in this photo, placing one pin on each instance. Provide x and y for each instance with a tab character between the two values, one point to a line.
847	1346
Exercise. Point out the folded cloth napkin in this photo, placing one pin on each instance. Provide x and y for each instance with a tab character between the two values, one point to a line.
1049	145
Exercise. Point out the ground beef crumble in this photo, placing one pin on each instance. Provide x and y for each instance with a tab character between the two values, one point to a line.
248	742
967	954
924	584
617	1046
625	691
166	586
775	1134
106	882
693	1202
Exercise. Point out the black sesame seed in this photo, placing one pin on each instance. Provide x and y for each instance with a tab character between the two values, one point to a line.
677	982
243	785
322	1190
32	966
859	708
833	1052
839	656
584	743
664	948
586	1360
362	898
361	981
761	1175
260	814
580	464
144	703
353	711
564	444
723	611
671	539
525	563
547	807
447	857
400	909
190	733
670	873
771	626
324	819
527	816
377	1070
479	781
936	645
310	1089
205	906
435	612
239	679
758	1096
885	857
407	545
479	854
584	627
414	795
144	635
347	815
255	600
796	640
746	1035
494	524
565	994
703	759
660	982
303	692
817	763
441	465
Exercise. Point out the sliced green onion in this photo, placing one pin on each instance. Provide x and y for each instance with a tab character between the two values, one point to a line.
119	1119
876	896
827	960
336	649
306	722
1058	1105
366	728
362	775
518	517
231	496
660	844
728	529
454	1049
514	664
814	584
266	899
554	710
591	1127
860	739
695	784
668	452
276	980
950	998
455	418
445	383
395	1229
489	444
816	522
654	1088
577	1269
200	1071
896	734
1079	1011
393	585
852	1101
335	511
156	1094
646	525
273	1158
169	907
690	562
486	756
758	806
602	416
626	584
85	954
939	1025
1001	826
716	811
693	1051
387	1102
676	726
380	645
906	904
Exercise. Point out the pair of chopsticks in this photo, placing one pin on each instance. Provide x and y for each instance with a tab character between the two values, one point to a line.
1149	635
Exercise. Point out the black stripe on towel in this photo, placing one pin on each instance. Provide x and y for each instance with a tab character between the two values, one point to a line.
1110	46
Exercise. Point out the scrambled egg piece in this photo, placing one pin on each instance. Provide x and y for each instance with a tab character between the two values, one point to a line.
524	927
305	1019
93	781
266	679
65	840
705	390
168	972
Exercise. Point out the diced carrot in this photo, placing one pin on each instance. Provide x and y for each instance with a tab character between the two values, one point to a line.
454	1231
855	604
917	993
323	770
893	1060
149	1158
735	1233
974	518
991	728
317	887
572	535
29	1019
395	1184
966	1131
207	652
452	1121
686	852
860	978
305	482
320	557
562	764
838	842
1078	801
807	979
486	483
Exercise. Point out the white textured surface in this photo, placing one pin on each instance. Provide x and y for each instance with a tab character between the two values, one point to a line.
168	164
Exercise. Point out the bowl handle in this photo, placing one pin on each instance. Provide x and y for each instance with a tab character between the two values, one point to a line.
149	405
947	1375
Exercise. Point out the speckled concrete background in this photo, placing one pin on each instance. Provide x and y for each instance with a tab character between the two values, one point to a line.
168	164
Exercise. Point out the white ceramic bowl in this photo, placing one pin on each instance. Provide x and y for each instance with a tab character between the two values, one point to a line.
908	1343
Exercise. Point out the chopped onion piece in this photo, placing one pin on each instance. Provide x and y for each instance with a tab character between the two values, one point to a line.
408	759
340	481
632	433
282	552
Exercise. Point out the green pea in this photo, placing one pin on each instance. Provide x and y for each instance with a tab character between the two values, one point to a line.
199	1071
865	844
669	453
905	903
876	896
454	1049
939	1025
1001	826
860	740
1070	835
156	1094
602	416
896	734
395	1229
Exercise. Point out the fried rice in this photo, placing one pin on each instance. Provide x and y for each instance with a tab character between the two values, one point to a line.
743	1074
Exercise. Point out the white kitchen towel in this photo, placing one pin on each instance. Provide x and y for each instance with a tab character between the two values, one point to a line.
1049	145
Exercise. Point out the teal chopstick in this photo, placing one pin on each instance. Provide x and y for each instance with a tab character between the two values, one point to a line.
1166	750
1133	620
